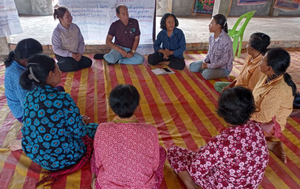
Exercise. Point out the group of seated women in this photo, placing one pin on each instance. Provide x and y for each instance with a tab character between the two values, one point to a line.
125	153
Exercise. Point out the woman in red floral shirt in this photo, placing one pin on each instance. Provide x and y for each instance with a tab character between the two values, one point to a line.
237	158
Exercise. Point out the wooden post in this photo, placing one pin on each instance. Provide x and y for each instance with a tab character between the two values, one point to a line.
273	11
170	6
222	7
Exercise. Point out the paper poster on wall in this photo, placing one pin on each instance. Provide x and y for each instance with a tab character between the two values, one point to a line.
287	4
94	17
203	7
9	19
251	2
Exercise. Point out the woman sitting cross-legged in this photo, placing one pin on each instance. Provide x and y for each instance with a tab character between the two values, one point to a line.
219	58
55	135
169	45
237	158
68	43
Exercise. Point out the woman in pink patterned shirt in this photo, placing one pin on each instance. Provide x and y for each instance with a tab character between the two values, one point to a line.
127	153
237	158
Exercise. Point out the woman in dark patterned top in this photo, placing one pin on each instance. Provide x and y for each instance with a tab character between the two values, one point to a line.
237	158
53	129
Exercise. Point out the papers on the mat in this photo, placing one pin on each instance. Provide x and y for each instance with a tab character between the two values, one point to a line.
162	71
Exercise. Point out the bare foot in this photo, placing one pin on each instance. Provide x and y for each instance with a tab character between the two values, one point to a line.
277	148
15	145
187	180
93	183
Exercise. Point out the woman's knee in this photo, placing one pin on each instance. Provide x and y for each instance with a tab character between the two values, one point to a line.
178	65
66	66
151	59
195	66
208	75
154	59
87	61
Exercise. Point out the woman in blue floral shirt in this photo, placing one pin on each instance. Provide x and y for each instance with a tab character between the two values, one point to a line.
53	129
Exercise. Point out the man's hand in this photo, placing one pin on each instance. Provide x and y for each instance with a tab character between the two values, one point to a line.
130	54
123	53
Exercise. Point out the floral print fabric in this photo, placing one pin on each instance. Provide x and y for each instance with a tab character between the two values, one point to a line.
53	129
237	158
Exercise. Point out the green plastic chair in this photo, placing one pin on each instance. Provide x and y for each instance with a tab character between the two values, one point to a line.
237	34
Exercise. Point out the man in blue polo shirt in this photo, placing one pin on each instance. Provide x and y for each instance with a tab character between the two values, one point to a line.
127	36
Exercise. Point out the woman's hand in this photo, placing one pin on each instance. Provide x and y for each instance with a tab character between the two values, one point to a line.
85	119
168	52
225	88
204	66
164	52
76	56
232	84
268	128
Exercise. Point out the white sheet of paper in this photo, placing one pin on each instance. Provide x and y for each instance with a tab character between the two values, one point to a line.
9	19
158	71
161	71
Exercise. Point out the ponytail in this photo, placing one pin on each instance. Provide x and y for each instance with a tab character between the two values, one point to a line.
10	58
221	20
225	27
55	14
279	59
59	12
289	82
37	71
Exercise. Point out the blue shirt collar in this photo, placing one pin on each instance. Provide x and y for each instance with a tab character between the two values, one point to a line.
15	63
48	87
174	31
